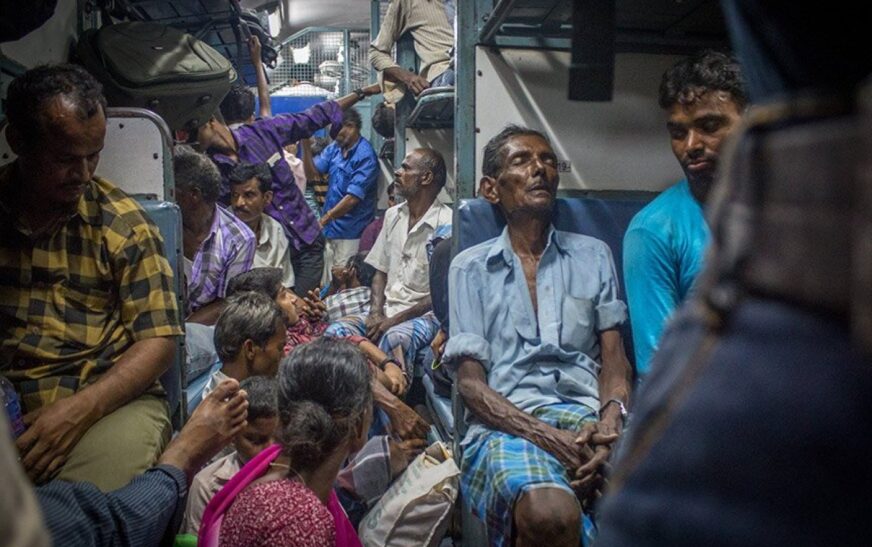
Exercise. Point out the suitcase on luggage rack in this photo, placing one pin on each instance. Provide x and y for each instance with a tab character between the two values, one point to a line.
157	67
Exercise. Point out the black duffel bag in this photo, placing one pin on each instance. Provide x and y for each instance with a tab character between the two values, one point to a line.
157	67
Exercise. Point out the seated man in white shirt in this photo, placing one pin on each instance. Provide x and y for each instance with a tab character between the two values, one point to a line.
250	193
249	339
401	319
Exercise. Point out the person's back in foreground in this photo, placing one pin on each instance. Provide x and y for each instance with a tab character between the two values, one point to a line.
749	429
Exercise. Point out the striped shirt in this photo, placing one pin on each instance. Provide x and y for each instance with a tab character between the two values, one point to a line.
77	513
226	252
74	299
433	33
348	302
263	142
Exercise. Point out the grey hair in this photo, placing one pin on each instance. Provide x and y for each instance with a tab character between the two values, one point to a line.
492	162
195	170
246	315
433	161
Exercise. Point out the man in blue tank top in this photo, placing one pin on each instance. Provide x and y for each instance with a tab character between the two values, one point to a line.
703	97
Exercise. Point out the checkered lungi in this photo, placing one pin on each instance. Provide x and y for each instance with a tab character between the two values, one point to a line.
412	335
497	468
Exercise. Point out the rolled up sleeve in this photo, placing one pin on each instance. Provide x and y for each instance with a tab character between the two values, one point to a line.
364	179
466	320
610	310
148	301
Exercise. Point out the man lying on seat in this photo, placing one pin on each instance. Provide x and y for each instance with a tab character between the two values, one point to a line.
538	358
404	421
87	310
400	317
217	245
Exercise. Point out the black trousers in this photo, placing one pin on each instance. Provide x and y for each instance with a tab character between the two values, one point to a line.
308	264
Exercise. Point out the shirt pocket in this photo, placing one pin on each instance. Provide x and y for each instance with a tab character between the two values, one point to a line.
576	323
418	273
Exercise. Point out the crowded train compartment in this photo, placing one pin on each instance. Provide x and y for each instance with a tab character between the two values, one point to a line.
432	272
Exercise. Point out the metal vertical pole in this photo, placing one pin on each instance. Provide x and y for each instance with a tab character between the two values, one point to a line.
467	25
346	61
374	26
407	59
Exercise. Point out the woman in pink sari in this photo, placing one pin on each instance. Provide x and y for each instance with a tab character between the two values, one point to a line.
284	496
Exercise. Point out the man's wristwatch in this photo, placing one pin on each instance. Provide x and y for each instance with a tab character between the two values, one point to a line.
360	94
621	406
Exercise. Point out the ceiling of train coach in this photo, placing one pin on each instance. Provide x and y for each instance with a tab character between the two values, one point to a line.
210	19
642	25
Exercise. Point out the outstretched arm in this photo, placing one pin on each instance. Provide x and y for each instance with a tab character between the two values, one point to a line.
259	71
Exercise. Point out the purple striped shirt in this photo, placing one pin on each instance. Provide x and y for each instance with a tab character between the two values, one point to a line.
262	142
227	251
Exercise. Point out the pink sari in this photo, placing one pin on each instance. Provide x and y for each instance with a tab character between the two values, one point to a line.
213	515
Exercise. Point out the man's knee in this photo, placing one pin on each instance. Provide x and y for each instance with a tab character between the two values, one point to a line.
397	335
547	516
120	446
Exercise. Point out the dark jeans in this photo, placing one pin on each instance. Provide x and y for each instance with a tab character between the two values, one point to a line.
769	445
308	263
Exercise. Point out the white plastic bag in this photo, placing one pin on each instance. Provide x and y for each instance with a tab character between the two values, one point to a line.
415	510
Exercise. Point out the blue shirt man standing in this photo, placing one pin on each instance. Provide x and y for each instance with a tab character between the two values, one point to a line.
352	169
666	241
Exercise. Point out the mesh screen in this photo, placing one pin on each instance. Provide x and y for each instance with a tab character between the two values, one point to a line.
314	64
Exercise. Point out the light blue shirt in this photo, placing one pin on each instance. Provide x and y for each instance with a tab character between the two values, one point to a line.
663	254
534	359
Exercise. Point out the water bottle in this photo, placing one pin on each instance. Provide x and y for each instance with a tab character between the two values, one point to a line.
12	405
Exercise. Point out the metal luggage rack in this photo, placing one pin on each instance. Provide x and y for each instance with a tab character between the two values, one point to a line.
333	59
642	26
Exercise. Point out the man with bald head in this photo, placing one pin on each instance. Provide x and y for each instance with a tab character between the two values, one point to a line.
400	315
87	310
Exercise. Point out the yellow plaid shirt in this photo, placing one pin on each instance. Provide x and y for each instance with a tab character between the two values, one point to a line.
73	300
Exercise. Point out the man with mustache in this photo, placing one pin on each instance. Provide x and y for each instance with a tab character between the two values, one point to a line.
703	97
538	356
400	315
250	193
352	169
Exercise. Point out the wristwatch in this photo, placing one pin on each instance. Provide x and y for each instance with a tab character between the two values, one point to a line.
360	94
621	406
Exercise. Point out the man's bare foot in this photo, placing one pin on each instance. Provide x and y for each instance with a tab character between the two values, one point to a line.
210	428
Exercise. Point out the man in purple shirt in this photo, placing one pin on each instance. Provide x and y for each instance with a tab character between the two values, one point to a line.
217	245
262	142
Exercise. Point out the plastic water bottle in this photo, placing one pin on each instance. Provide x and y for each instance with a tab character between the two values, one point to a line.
12	405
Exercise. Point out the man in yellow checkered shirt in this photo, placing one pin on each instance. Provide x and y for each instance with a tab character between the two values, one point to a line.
87	309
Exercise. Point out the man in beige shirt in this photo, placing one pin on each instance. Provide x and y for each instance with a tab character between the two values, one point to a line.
431	23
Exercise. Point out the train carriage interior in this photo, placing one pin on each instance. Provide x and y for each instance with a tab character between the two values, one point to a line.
431	272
